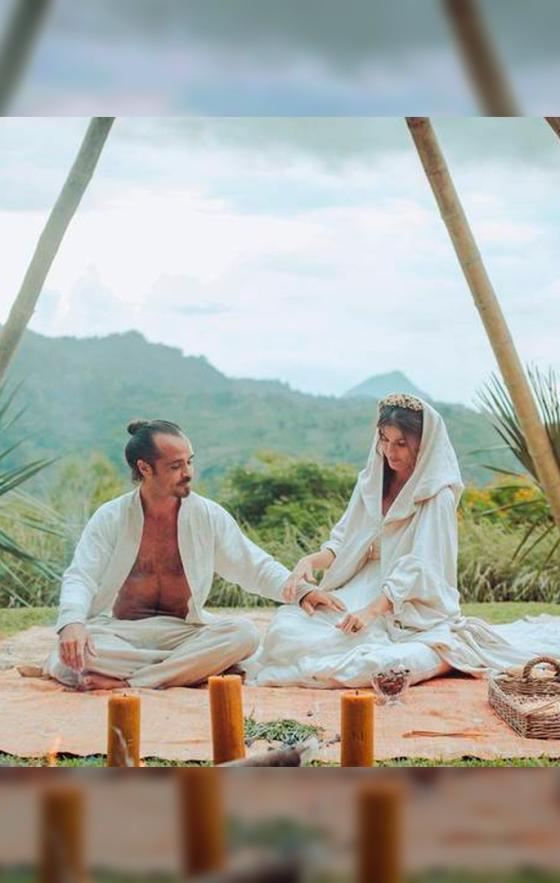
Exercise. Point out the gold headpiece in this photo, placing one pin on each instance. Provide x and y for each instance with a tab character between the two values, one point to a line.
401	400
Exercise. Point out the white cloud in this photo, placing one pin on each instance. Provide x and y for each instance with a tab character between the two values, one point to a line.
276	264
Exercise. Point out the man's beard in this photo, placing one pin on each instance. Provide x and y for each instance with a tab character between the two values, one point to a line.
182	490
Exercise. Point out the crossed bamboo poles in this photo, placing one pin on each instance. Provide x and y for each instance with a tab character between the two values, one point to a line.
476	46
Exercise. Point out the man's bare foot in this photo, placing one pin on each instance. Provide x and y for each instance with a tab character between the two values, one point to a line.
90	681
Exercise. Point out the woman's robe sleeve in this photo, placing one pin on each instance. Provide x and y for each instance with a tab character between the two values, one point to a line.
421	586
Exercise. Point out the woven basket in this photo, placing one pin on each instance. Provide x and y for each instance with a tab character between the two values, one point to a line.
529	704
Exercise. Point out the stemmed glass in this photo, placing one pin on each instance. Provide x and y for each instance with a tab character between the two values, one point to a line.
390	684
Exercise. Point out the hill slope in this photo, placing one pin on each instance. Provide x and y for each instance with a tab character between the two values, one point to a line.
80	394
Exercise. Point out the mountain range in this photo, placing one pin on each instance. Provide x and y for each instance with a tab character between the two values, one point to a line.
79	395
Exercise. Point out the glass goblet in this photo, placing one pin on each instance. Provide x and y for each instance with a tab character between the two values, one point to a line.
390	684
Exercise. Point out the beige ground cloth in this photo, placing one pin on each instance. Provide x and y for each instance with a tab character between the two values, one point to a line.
442	719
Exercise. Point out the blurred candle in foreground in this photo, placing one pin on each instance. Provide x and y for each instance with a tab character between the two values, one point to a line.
61	848
123	731
356	728
203	831
379	834
226	716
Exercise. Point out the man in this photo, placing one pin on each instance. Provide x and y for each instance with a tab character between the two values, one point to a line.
132	601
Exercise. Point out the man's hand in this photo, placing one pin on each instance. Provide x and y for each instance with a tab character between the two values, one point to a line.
316	598
302	572
73	642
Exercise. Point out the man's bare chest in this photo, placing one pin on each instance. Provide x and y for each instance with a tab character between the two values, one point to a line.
158	553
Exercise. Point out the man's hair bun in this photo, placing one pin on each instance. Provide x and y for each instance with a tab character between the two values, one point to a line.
135	425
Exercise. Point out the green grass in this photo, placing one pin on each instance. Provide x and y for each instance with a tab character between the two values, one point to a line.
98	760
507	611
16	619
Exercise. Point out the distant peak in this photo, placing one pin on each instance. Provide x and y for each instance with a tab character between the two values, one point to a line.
379	385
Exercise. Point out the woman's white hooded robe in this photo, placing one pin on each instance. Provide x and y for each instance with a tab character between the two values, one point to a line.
414	564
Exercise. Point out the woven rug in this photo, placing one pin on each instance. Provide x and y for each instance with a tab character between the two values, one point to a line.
442	719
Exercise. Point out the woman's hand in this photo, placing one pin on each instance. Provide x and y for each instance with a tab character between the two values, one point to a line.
361	619
302	572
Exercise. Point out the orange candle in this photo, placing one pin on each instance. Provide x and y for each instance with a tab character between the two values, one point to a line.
203	840
356	729
226	715
123	731
61	855
379	834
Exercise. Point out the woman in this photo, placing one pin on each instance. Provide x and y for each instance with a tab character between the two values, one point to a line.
388	596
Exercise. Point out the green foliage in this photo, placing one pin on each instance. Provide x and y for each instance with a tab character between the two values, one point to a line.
49	529
488	569
13	554
497	404
280	491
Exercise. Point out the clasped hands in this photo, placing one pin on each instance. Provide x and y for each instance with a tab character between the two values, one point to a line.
315	598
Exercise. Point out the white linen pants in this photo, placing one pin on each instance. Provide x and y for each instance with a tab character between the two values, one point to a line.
160	651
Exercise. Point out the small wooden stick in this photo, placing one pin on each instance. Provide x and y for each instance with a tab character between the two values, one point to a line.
275	757
273	872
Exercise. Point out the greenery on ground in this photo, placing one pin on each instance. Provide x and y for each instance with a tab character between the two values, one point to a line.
287	732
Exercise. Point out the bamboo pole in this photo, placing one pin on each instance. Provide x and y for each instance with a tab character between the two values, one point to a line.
489	308
484	69
49	242
21	33
554	123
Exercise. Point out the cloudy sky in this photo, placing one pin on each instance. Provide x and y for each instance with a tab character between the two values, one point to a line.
308	250
309	57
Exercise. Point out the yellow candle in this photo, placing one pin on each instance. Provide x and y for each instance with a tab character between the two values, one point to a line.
61	853
203	841
379	834
226	715
356	729
123	731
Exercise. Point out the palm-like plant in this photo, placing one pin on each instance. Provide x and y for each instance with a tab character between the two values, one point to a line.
495	402
10	483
